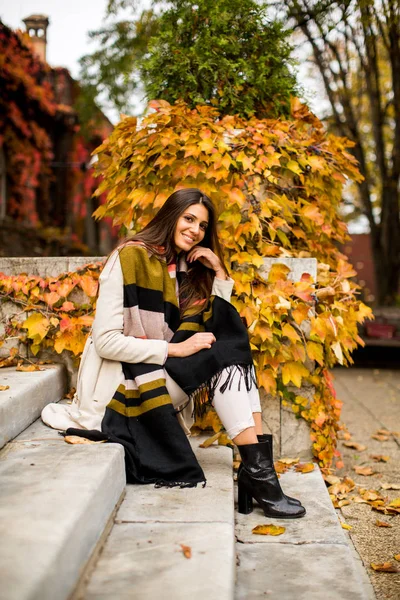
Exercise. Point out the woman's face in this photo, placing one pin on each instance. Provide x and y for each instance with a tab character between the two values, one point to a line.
191	227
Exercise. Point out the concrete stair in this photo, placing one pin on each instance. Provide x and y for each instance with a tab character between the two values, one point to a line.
68	531
27	395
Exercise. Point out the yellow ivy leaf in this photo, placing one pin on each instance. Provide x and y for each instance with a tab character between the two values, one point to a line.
267	380
277	272
293	372
315	352
269	529
37	326
290	332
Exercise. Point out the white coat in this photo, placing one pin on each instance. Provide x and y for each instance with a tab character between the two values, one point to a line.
100	370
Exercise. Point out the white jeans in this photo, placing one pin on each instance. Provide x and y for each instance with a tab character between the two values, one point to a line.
235	406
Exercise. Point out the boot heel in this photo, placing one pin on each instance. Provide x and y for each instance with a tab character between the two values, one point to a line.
245	501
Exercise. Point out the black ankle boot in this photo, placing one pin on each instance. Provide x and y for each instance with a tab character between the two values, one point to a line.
267	437
258	479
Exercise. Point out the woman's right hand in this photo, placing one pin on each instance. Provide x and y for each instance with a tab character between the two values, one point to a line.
197	342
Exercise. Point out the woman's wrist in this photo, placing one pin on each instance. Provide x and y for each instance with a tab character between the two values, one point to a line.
220	274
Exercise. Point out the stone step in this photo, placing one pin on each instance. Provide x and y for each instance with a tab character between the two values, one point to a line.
55	502
310	561
27	395
143	557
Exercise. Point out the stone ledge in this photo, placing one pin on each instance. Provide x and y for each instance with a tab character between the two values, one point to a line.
55	501
29	393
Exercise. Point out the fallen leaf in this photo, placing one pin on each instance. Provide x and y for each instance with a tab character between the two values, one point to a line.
210	440
370	496
386	567
396	557
304	467
28	368
390	486
3	388
379	457
343	503
345	526
364	470
359	447
379	437
187	551
268	529
359	500
383	431
379	523
76	439
332	479
395	503
236	464
70	394
225	440
289	461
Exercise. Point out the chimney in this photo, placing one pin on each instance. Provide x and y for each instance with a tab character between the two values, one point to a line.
36	26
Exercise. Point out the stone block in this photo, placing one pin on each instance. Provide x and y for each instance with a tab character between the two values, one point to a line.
145	561
55	501
23	402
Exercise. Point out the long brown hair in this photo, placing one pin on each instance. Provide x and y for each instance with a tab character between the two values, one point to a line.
160	232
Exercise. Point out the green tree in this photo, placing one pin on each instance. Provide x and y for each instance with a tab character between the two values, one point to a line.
225	53
355	46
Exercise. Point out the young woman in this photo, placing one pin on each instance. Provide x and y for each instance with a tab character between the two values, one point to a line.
164	338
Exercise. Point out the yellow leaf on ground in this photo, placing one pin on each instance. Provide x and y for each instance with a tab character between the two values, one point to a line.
3	388
379	523
268	530
289	461
28	368
345	526
76	439
304	467
395	503
187	551
386	567
364	470
396	556
210	440
359	447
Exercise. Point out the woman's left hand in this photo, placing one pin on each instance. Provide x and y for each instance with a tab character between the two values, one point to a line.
208	259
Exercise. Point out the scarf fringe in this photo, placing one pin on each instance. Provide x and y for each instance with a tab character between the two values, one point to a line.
181	484
204	395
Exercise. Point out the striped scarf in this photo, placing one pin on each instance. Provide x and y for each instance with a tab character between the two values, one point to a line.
141	415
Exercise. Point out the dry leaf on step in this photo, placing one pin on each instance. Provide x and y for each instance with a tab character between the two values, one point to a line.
3	388
359	447
210	440
364	470
396	557
386	567
380	437
390	486
345	526
379	523
304	467
187	551
289	461
28	368
76	439
383	431
395	503
268	529
380	457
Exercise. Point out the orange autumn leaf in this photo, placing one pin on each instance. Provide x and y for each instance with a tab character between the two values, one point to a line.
364	470
28	368
379	523
304	467
380	457
386	567
355	445
186	551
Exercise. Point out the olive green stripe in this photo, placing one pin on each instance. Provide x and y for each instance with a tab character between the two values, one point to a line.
190	327
149	273
136	411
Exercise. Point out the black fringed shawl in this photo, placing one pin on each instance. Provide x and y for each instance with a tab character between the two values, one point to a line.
141	415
